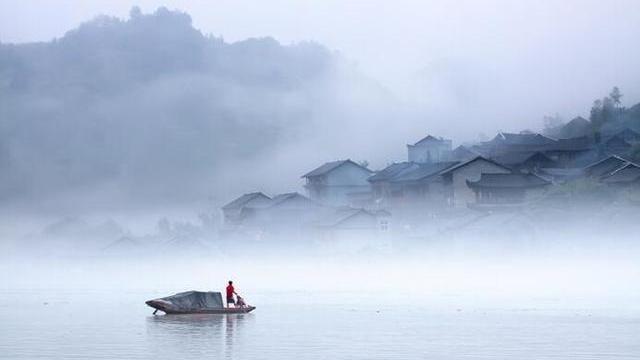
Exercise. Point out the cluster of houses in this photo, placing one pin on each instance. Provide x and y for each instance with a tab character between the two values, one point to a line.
509	171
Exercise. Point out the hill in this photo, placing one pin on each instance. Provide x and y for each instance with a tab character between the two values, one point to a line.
149	109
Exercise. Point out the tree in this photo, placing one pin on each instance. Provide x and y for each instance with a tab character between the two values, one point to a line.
602	112
596	114
615	95
135	13
608	110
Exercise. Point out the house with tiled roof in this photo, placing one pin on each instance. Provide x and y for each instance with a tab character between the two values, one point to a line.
463	153
455	178
232	211
525	160
353	229
288	212
410	185
334	183
572	152
429	149
509	142
625	176
604	166
617	145
495	191
577	127
630	136
432	186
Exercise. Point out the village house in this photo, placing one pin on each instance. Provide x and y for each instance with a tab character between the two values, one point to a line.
560	175
525	161
286	214
604	167
617	145
577	127
626	176
429	149
509	171
410	186
353	229
614	171
426	187
508	142
495	191
232	211
463	153
572	152
292	214
630	136
335	183
455	178
344	222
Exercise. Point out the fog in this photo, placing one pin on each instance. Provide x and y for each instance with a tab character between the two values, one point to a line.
177	115
140	123
504	64
384	180
583	258
115	129
120	122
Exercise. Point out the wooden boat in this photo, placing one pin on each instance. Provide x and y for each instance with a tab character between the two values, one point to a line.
195	302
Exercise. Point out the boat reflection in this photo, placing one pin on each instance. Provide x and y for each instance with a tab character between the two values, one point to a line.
216	333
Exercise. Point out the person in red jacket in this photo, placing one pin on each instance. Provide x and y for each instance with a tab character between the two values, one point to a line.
230	292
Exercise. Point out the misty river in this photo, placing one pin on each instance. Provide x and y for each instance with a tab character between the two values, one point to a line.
99	324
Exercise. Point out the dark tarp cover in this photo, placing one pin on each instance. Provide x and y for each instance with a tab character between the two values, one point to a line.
195	300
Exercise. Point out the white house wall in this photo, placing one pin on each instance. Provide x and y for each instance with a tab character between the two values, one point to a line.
343	180
430	152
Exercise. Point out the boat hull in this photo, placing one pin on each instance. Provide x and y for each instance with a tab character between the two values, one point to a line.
167	309
215	311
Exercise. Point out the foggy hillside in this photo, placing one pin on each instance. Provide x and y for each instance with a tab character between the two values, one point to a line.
149	111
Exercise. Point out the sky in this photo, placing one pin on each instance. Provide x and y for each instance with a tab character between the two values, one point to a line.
505	64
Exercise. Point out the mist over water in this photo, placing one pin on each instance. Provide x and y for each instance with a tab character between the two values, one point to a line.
502	260
427	303
491	290
122	140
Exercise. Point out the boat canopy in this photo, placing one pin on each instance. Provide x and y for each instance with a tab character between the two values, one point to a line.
194	301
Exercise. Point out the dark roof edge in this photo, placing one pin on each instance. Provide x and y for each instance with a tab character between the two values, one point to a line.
479	157
342	162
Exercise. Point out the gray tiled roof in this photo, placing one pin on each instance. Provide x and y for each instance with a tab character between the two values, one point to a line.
429	138
463	152
605	166
582	143
520	157
627	133
513	180
477	158
627	173
579	126
522	139
339	215
423	171
330	166
617	141
392	170
286	196
243	200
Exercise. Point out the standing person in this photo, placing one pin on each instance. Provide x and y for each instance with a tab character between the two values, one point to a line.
230	292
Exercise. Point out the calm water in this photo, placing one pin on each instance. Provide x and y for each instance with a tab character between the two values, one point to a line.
105	325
